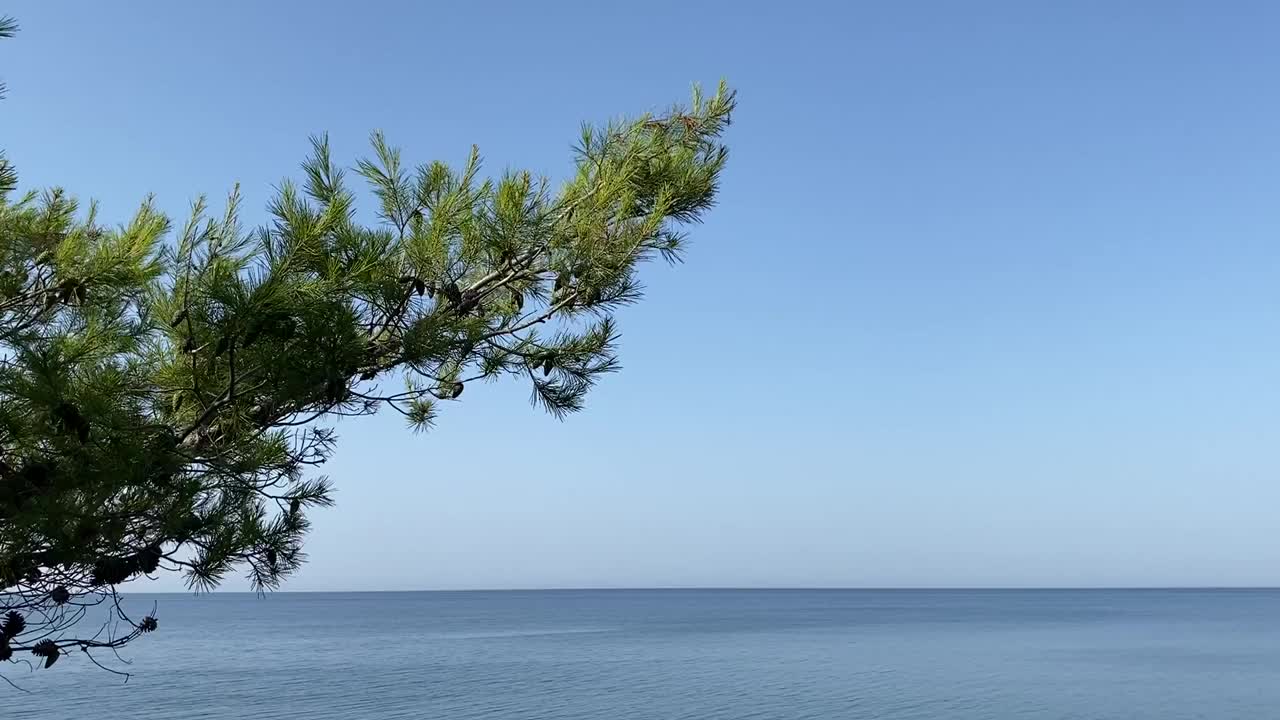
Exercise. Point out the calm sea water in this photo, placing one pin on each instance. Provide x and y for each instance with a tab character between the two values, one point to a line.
701	655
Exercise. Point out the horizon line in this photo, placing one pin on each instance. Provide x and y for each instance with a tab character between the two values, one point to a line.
731	588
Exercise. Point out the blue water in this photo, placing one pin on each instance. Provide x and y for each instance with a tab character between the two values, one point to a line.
704	655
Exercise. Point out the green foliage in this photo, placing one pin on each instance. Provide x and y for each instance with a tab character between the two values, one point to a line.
8	177
163	393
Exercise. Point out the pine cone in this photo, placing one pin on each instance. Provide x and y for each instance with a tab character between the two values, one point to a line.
149	559
48	650
13	625
111	571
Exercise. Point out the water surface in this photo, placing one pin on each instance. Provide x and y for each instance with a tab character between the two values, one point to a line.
700	655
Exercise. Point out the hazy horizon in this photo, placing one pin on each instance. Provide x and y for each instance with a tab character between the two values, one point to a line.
695	588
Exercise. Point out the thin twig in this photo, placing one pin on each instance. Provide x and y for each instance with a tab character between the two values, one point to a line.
11	683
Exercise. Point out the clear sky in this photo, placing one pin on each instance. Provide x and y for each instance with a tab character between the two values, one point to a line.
991	297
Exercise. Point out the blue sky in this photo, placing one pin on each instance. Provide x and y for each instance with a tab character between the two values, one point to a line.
990	298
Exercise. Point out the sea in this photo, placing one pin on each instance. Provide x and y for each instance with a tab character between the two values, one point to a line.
683	655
